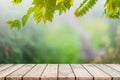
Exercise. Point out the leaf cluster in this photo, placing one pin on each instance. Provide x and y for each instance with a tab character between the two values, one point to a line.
44	10
84	7
112	9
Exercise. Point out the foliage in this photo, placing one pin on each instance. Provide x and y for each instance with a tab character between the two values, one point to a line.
84	7
112	53
39	45
44	10
15	23
112	8
98	32
16	1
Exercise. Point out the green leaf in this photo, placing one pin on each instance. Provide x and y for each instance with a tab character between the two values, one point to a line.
84	7
30	10
16	1
112	9
44	10
14	24
24	19
64	5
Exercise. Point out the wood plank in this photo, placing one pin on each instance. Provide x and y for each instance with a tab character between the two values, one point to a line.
9	70
35	73
114	66
5	66
50	73
1	64
18	74
96	73
65	72
80	72
115	74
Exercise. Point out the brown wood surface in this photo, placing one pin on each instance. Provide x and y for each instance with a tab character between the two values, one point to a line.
59	72
50	73
80	72
18	74
112	72
35	73
9	70
114	66
96	73
5	66
65	72
1	64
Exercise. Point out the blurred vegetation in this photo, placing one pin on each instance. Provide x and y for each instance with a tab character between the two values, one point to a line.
60	44
98	30
39	45
105	40
112	52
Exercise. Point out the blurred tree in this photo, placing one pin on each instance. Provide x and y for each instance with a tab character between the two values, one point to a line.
44	10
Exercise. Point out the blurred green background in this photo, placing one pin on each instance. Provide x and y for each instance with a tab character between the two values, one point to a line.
89	39
39	45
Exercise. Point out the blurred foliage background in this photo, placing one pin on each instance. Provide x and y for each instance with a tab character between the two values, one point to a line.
39	45
89	39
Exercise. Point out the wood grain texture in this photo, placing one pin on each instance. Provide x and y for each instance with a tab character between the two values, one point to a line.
9	70
115	74
80	72
1	64
59	72
18	74
114	66
65	72
96	73
50	73
5	66
35	73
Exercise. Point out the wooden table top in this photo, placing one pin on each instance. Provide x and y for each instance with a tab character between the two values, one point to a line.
59	72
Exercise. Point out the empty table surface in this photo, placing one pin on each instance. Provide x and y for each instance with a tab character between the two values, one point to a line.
59	72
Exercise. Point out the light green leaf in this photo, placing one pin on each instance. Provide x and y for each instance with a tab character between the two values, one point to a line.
44	10
14	24
24	19
64	5
30	10
84	7
112	9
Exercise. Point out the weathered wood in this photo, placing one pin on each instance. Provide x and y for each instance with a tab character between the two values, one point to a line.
115	74
65	72
18	74
35	73
80	72
1	64
9	70
114	66
97	73
50	73
59	72
5	66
